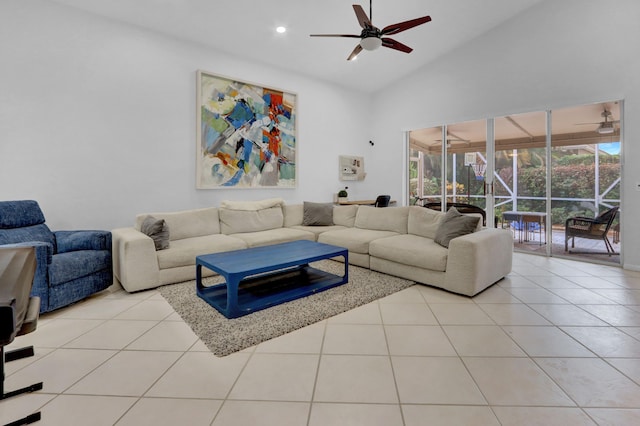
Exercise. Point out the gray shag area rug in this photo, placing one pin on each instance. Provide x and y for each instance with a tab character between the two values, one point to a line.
225	336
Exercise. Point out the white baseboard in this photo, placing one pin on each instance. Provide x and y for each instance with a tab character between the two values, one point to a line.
631	267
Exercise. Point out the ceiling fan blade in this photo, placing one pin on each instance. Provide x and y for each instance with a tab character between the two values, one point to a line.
363	19
355	52
393	44
335	35
403	26
598	122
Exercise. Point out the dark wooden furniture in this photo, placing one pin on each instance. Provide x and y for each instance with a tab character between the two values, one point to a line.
591	228
462	208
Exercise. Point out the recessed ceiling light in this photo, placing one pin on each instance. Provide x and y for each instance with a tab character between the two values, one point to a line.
281	30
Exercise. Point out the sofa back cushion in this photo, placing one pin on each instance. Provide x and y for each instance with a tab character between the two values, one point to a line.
424	222
345	215
187	223
293	214
383	219
342	215
238	221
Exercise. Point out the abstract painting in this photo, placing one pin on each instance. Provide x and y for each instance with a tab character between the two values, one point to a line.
246	135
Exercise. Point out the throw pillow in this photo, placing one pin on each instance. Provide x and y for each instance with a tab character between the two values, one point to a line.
454	224
317	214
158	230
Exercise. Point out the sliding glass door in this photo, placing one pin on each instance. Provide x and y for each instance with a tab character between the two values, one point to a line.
466	162
535	172
462	148
586	181
521	178
425	165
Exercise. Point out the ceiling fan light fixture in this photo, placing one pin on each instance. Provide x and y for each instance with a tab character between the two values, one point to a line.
606	128
370	43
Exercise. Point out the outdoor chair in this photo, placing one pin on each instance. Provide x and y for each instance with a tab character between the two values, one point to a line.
382	201
18	313
71	265
462	208
591	228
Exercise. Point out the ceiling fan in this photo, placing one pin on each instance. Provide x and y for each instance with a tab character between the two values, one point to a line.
451	137
605	127
372	37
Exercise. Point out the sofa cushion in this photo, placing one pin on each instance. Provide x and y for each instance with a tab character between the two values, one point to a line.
72	265
455	224
317	230
342	215
252	205
240	221
345	215
183	252
292	214
274	236
423	222
388	219
355	239
187	223
317	214
86	239
412	250
158	230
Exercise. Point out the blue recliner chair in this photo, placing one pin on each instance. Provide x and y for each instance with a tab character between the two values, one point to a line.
71	265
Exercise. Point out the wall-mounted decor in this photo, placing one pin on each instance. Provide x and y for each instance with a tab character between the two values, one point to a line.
351	168
246	136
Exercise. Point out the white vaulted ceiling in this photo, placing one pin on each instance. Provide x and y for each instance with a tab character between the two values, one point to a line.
246	28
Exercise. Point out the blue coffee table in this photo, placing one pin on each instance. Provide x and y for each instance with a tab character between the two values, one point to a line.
260	277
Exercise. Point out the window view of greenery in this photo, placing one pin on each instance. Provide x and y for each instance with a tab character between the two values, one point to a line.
469	188
579	187
425	165
575	180
428	175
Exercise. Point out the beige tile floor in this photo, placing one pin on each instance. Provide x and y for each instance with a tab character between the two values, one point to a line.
555	343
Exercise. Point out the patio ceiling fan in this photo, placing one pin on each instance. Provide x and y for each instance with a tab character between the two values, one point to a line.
371	37
452	138
607	126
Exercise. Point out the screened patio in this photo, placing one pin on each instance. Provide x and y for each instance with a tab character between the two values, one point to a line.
581	165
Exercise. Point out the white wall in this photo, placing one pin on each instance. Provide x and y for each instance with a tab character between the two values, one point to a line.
97	119
559	53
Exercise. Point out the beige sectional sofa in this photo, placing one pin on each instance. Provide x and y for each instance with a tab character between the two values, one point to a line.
395	240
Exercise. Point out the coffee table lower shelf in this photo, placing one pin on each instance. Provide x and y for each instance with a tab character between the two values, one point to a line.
269	290
246	291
